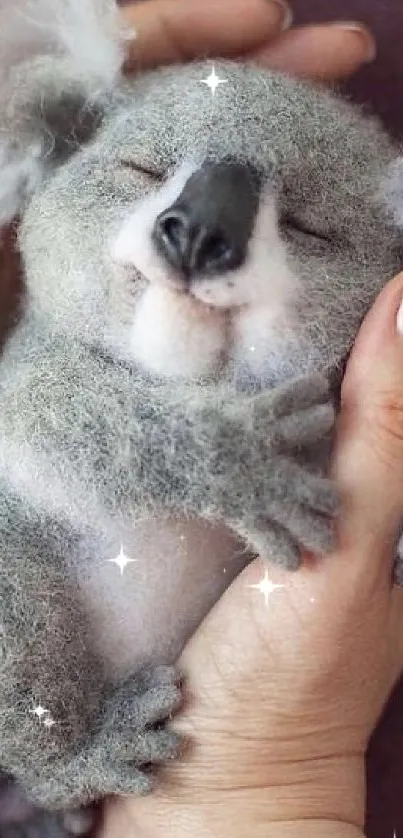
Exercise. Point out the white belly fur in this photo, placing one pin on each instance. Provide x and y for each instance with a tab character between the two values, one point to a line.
148	612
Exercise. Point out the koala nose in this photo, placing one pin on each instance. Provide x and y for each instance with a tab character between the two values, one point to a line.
207	230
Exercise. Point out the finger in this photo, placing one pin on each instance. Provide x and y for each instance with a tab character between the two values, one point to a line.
369	452
178	30
312	491
296	395
309	529
323	52
305	428
275	543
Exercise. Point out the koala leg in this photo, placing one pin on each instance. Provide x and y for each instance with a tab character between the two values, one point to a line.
65	736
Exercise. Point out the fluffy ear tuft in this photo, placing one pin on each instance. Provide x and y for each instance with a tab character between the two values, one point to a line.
59	61
90	32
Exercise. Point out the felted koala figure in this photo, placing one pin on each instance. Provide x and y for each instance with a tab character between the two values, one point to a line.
196	269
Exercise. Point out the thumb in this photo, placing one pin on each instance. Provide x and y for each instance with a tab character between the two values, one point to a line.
369	451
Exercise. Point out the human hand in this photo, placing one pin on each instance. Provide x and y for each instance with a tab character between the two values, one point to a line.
178	30
283	697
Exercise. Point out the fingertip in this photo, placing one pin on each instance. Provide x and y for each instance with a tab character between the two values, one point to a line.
322	52
169	31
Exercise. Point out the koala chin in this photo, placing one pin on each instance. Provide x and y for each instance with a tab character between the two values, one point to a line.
196	268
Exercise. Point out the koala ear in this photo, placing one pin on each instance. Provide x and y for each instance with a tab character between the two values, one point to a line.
393	190
60	61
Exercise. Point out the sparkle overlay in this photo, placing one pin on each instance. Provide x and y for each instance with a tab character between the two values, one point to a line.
121	560
39	711
213	81
266	587
43	715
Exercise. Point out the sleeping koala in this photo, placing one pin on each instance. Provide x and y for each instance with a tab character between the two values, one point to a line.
197	265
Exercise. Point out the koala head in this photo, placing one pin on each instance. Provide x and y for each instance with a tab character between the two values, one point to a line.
197	232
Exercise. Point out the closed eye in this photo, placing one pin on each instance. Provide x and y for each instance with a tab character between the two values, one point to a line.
294	224
149	171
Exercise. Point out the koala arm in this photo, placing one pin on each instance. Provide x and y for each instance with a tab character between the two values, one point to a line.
89	740
237	459
158	448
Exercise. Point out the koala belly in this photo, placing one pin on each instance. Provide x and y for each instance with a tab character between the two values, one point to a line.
147	595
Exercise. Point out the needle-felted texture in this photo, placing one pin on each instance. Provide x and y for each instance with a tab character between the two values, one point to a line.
92	439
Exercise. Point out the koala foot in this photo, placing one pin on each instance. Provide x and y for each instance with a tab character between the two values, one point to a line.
129	738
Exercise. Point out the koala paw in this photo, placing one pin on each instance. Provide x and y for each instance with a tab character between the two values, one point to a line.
130	737
266	487
131	721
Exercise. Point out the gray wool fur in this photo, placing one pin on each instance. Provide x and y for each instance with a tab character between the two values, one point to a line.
92	440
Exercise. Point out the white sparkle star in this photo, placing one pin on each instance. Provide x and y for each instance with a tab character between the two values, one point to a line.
39	711
121	560
213	81
49	722
266	587
182	538
252	349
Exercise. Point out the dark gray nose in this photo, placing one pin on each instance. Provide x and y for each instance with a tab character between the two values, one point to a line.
207	230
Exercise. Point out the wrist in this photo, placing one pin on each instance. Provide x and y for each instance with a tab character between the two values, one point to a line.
320	798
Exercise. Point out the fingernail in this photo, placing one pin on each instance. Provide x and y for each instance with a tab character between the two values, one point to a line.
364	33
287	16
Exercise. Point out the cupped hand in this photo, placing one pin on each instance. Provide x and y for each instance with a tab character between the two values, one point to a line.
284	689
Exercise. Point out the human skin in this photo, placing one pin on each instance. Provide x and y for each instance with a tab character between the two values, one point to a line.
179	30
282	698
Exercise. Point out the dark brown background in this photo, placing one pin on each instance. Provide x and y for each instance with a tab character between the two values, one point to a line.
381	85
